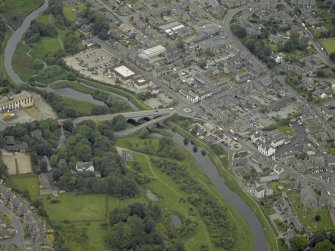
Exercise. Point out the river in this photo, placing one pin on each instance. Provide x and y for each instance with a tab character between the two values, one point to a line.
259	239
16	38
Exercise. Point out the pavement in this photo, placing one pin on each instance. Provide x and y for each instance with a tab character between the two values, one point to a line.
137	114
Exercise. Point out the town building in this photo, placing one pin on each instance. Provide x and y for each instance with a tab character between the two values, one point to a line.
172	28
268	142
85	167
152	52
16	101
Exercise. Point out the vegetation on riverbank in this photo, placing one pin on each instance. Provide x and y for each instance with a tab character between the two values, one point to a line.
231	182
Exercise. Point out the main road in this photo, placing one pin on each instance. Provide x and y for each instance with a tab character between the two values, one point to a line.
128	115
16	38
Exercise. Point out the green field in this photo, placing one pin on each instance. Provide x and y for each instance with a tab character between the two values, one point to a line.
45	46
46	19
16	10
22	63
285	129
68	13
28	183
328	44
165	187
306	217
78	105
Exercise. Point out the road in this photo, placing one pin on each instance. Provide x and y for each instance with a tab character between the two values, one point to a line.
181	102
312	108
314	41
138	128
105	117
19	237
16	38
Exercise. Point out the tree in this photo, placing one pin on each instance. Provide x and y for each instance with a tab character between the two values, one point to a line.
3	170
332	56
320	74
317	217
239	31
324	245
119	123
195	148
68	125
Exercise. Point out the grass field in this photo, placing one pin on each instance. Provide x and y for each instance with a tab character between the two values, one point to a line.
79	106
22	63
286	130
16	10
2	48
26	182
45	46
46	19
164	187
328	44
68	13
306	217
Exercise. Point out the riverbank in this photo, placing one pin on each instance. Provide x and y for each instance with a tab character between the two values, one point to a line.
230	181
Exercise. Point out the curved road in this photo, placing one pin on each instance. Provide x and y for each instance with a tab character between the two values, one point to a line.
16	38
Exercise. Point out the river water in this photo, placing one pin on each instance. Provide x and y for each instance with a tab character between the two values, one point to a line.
74	94
259	239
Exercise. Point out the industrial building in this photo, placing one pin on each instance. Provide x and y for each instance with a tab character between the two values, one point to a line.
152	52
130	77
172	28
16	101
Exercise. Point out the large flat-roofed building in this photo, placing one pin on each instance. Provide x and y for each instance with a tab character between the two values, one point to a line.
130	77
16	101
124	73
152	52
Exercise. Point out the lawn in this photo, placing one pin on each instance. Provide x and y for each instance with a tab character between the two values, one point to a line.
285	129
16	10
2	48
78	105
328	44
45	46
68	13
306	217
22	63
26	182
46	19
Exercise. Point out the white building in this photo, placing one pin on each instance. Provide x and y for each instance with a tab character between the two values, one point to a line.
266	149
152	52
267	143
172	28
16	101
85	167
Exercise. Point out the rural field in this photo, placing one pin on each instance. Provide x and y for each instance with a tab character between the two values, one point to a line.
328	44
16	10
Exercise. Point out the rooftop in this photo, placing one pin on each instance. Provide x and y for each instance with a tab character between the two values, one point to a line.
124	71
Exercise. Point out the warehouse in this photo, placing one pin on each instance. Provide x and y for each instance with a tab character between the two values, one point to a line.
152	52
